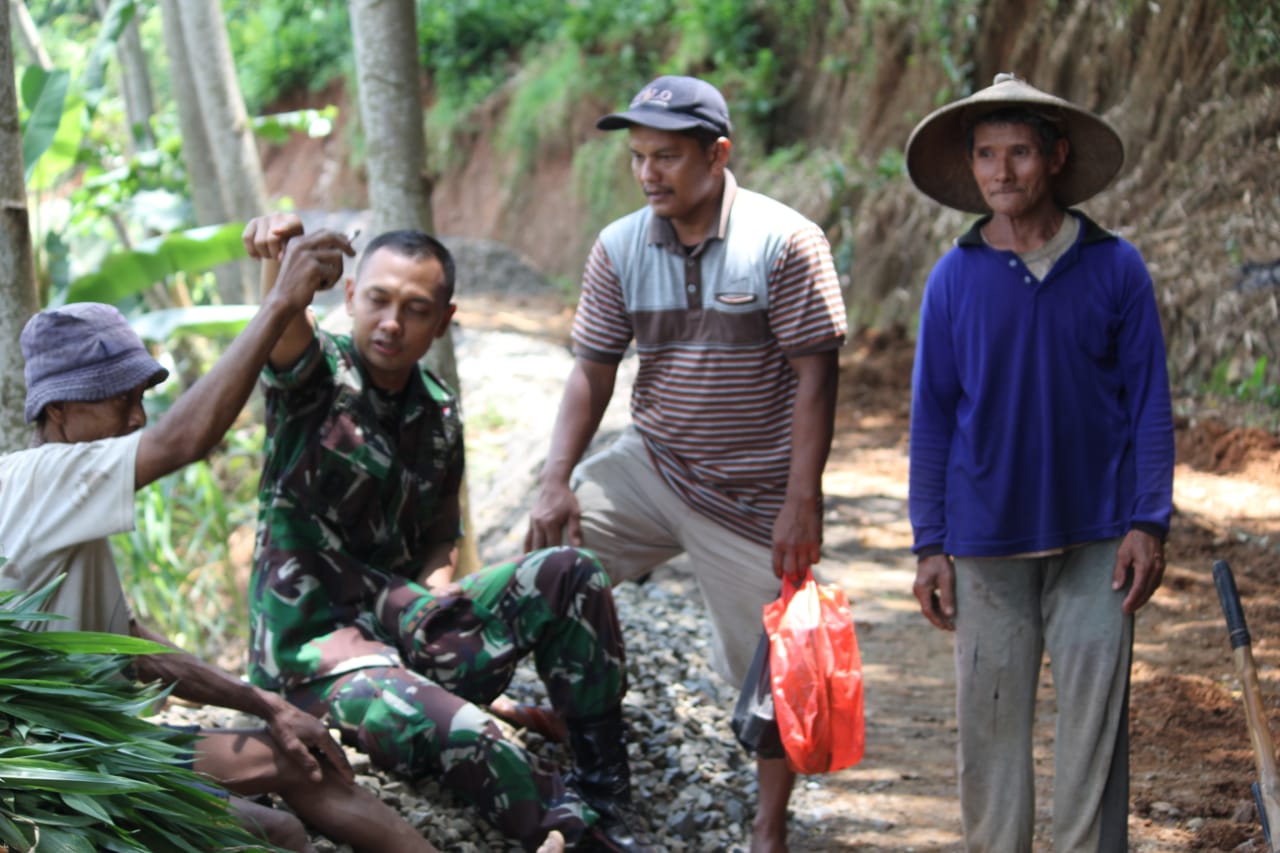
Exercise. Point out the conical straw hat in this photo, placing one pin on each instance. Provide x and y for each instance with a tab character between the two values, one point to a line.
938	162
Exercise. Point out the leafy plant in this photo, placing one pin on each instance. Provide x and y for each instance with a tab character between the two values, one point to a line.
469	46
125	274
540	111
309	45
177	565
1253	33
276	127
1256	388
80	771
601	177
52	127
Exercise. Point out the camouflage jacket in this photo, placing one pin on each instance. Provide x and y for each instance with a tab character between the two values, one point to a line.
351	493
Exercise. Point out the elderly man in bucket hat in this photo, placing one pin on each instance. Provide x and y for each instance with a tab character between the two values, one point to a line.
86	372
1041	457
736	313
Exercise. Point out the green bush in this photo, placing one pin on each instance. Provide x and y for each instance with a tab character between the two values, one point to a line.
470	46
1253	33
286	46
1256	387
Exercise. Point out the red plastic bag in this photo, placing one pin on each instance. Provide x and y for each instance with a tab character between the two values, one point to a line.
817	676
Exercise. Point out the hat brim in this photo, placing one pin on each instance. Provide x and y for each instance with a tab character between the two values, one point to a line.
938	159
657	119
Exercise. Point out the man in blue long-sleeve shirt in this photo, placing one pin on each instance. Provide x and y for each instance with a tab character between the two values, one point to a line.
1041	457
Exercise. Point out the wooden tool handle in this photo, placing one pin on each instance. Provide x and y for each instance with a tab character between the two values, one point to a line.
1264	754
1230	600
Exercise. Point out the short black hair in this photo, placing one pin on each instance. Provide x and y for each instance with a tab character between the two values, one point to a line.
704	136
1048	129
412	243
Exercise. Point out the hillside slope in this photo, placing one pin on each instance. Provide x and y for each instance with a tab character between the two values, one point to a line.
1199	193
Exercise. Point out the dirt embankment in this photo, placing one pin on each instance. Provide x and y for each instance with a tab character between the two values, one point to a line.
1198	194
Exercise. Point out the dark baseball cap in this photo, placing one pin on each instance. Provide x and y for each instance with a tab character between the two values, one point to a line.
674	103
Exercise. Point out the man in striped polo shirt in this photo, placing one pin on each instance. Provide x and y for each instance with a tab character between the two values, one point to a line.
734	306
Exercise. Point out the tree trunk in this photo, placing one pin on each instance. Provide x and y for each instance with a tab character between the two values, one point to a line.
234	281
25	29
17	271
385	36
386	47
135	81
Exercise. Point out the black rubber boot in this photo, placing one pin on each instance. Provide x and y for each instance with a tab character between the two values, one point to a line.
602	776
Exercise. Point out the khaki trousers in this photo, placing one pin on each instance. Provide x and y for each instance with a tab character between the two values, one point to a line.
634	522
1008	612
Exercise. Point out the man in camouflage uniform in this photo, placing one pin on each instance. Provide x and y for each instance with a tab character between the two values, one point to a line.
353	607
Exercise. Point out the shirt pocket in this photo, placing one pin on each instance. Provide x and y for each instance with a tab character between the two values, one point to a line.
739	286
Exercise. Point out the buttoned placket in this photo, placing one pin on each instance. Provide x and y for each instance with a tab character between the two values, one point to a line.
693	281
1027	278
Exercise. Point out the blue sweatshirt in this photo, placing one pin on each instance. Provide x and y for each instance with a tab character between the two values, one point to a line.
1040	413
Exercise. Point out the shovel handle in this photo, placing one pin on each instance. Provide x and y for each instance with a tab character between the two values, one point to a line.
1266	790
1230	600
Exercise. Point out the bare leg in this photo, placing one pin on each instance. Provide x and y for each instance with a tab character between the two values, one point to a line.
276	827
249	762
769	831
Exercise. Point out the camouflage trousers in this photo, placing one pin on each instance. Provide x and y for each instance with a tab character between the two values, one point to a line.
460	650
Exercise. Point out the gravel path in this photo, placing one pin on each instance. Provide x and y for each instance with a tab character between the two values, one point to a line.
697	784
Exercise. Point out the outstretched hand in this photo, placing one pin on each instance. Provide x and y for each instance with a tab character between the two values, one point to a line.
302	737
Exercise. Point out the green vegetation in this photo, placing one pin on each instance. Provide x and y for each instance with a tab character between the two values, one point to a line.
560	55
80	771
286	46
181	567
469	47
1256	387
1253	32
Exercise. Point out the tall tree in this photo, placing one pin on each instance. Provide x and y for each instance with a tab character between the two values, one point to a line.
196	153
25	29
197	156
17	272
135	79
386	47
385	36
220	108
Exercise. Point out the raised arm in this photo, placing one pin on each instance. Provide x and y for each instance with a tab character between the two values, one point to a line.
268	238
586	396
200	417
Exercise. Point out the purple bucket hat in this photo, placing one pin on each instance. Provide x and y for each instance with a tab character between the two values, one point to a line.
83	352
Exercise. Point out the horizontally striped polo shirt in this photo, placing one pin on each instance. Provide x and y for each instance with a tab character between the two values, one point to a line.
713	328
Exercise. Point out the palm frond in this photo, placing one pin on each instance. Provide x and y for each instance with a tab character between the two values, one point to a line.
80	771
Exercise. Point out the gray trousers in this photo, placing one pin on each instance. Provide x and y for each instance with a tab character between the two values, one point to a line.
1008	612
634	522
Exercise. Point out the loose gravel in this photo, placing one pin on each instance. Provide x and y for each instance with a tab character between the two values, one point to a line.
691	777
